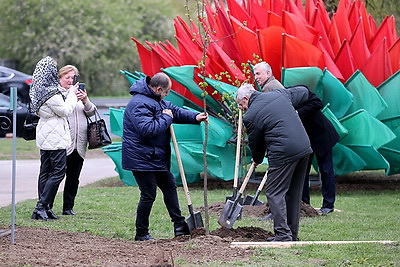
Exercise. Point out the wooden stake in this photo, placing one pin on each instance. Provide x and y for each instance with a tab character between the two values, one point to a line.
300	243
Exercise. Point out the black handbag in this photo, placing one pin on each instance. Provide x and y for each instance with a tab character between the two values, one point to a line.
29	128
97	134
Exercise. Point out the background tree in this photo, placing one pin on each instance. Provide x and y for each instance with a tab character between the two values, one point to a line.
93	35
377	8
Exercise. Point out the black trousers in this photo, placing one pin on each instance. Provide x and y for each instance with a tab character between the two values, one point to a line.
148	182
52	171
283	188
74	168
325	166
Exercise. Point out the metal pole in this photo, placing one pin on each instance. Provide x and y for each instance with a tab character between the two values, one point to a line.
13	107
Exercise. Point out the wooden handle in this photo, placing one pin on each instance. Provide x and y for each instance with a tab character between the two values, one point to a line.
247	178
179	160
238	145
264	179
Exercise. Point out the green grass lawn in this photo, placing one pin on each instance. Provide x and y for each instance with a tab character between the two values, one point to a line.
369	215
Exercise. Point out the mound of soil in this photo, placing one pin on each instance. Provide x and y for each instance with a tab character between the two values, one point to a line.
259	211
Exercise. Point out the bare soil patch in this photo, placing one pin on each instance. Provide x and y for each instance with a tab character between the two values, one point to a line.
44	247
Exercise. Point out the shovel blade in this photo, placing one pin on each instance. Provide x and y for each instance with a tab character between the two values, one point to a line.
252	201
194	221
233	197
229	214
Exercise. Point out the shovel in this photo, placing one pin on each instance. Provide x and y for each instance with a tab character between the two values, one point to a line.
233	209
194	219
236	174
253	201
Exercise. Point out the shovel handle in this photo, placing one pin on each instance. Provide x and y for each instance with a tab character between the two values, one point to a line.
264	179
238	145
181	171
247	178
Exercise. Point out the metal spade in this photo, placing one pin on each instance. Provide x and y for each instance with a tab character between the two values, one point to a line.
194	220
233	209
253	201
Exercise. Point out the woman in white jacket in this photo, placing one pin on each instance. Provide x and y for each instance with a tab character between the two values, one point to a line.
78	126
52	132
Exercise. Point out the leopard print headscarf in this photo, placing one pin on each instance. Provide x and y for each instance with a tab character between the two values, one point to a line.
45	83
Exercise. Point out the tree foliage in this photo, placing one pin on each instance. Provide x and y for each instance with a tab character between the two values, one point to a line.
377	8
93	35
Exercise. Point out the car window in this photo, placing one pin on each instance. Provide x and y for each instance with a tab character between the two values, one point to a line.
4	101
5	75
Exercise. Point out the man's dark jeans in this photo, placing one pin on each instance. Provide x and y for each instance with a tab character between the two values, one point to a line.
148	182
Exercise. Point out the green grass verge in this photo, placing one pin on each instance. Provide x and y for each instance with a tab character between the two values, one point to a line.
24	149
110	212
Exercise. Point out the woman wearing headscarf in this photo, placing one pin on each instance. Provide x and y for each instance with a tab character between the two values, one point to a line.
52	132
78	126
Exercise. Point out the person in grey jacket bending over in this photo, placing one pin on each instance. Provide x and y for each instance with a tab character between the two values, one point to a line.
275	130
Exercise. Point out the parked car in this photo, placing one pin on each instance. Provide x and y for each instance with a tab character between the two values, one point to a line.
10	77
6	116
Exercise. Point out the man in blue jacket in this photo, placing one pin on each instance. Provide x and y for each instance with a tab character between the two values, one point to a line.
275	130
146	148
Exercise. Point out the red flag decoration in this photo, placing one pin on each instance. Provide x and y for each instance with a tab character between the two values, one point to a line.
240	14
238	30
310	10
353	15
290	6
172	51
225	29
271	48
318	25
378	68
324	15
246	39
384	30
275	6
358	46
367	25
342	23
334	37
394	53
297	53
274	19
145	57
258	15
329	64
296	26
344	61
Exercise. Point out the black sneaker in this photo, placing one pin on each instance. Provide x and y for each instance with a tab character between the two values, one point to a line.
144	238
324	211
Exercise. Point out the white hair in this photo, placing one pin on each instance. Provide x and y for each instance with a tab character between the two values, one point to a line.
264	66
245	90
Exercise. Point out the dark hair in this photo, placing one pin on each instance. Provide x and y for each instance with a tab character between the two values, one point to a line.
160	80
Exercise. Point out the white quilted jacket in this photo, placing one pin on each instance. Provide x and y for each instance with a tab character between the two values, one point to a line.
52	131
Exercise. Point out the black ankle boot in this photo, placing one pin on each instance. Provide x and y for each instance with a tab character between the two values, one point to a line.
39	213
182	230
51	214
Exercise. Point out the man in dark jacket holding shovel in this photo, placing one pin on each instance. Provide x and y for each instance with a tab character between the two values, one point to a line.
274	127
146	148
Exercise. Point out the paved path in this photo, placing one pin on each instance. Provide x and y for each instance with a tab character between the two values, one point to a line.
27	171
